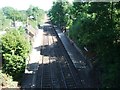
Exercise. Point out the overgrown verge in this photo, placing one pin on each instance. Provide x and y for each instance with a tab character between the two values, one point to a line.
6	81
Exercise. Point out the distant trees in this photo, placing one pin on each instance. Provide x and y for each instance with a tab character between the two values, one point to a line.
3	21
14	15
1	15
96	26
59	13
36	13
23	15
11	13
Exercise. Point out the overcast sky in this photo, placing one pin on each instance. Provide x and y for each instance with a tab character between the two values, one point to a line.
24	4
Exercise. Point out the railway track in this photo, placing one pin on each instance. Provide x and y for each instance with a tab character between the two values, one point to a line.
65	67
46	81
56	70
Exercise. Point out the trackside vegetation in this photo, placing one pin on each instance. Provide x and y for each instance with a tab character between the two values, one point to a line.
14	44
96	26
15	50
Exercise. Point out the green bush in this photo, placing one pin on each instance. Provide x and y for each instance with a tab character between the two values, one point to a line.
15	50
14	65
13	42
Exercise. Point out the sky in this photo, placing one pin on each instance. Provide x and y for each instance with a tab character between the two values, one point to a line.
24	4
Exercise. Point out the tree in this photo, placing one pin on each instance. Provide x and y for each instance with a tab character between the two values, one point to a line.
11	13
95	27
59	13
15	50
23	16
2	18
38	14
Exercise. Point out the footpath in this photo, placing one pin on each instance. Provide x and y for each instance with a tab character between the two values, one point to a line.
33	62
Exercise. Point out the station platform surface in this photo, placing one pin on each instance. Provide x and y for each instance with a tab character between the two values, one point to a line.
76	56
78	59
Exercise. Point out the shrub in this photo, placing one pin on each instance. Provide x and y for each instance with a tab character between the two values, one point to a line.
13	42
15	50
14	65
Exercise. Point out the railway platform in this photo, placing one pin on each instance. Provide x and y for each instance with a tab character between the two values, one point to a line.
78	59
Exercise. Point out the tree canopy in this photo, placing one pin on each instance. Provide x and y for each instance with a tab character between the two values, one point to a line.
11	13
59	13
36	13
15	49
96	26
